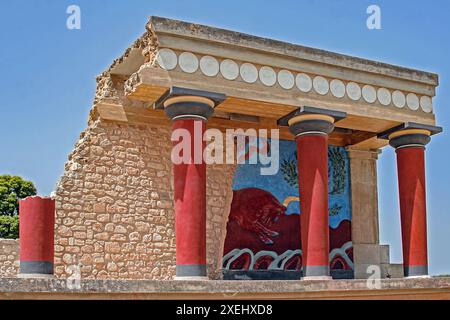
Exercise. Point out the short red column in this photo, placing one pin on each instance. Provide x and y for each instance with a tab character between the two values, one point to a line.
36	233
312	152
410	149
190	203
189	110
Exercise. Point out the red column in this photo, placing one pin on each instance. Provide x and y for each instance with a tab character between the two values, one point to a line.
189	109
190	204
410	148
411	180
311	127
313	186
36	233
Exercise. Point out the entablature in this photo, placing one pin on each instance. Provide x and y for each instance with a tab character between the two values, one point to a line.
267	79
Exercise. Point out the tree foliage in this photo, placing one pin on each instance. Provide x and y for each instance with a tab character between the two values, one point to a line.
9	227
13	188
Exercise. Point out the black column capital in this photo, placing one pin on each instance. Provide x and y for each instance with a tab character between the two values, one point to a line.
183	103
410	135
409	138
311	121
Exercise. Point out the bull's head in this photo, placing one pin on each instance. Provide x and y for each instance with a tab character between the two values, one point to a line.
270	214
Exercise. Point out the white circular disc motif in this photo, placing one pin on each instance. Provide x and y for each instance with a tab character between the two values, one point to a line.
188	62
337	88
167	59
369	94
384	96
286	79
267	76
426	103
209	66
321	85
413	101
303	82
354	91
229	69
399	99
249	73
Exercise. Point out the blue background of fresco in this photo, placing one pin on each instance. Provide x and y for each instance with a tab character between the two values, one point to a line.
249	176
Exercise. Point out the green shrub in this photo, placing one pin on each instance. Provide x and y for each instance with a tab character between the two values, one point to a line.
9	227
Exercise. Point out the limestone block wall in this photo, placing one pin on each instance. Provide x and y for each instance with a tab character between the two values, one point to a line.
219	195
9	258
114	205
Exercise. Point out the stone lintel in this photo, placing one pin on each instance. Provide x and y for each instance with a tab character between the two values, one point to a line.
255	99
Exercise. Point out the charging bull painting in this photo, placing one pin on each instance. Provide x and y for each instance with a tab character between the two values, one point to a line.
263	231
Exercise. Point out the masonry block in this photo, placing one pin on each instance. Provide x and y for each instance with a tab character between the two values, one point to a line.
366	253
392	271
385	254
364	271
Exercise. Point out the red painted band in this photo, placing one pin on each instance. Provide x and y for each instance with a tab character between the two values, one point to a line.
190	198
312	153
412	191
36	229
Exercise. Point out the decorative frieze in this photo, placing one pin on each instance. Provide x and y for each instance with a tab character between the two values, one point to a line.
231	70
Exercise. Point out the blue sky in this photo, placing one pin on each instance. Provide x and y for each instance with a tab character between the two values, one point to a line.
48	76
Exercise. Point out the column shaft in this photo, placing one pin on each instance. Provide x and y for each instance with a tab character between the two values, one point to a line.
313	187
189	110
411	179
190	204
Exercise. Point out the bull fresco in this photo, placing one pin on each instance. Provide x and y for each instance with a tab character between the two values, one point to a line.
263	230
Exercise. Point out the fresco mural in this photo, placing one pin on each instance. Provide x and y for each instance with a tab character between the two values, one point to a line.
263	231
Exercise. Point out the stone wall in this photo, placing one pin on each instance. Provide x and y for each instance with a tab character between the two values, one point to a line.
114	205
9	258
219	197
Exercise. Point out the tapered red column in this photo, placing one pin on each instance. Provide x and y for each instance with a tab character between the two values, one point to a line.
410	149
190	202
189	110
36	233
311	133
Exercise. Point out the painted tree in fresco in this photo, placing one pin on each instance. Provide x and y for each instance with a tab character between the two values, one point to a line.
337	173
336	170
289	169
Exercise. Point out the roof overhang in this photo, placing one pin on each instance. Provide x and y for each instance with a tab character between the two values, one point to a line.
269	79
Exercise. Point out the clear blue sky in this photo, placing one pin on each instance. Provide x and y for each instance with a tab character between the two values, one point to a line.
48	76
